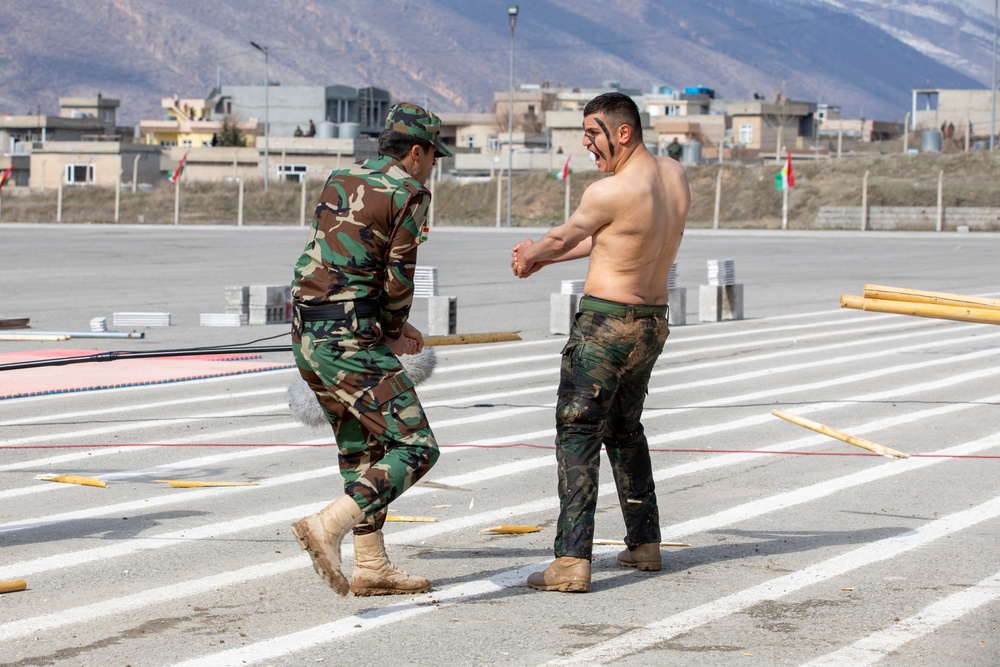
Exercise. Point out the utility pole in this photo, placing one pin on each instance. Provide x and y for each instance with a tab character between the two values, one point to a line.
267	105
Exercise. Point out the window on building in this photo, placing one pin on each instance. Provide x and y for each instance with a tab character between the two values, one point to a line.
746	133
81	174
471	141
186	143
292	172
494	144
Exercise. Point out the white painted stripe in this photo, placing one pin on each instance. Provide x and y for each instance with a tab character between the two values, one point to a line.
550	388
881	644
638	640
133	407
631	642
153	424
741	513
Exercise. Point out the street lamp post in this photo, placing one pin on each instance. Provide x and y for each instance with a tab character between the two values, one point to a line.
512	16
267	105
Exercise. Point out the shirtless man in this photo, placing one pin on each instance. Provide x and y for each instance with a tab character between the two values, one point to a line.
630	225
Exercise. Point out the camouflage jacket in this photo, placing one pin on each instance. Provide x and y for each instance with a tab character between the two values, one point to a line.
363	240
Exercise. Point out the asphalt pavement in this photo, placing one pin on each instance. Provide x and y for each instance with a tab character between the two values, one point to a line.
803	550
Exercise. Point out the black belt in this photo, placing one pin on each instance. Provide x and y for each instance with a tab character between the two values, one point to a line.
339	310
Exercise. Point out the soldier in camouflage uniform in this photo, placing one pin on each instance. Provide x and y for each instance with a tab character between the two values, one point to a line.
352	291
630	226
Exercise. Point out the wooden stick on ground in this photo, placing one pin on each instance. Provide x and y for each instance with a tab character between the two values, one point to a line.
922	296
13	586
473	338
957	313
840	435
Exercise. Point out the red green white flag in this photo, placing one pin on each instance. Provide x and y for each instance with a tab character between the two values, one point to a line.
563	173
785	178
5	175
179	170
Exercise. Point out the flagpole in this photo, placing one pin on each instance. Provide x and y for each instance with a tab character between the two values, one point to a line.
568	178
784	208
177	200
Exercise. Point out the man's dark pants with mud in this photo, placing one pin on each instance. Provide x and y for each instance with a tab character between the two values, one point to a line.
606	366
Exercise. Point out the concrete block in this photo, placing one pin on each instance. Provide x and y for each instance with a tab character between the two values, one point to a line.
270	304
442	315
677	296
562	310
720	302
238	299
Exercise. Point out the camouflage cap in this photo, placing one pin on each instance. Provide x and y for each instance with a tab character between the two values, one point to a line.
417	122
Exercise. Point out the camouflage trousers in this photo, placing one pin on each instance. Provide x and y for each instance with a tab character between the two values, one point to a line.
605	371
385	443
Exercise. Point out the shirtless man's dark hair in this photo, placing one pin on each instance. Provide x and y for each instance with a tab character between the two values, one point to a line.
618	108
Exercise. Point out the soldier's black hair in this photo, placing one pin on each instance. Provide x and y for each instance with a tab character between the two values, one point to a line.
396	144
619	108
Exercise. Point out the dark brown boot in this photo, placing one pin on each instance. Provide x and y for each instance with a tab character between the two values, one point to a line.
565	574
644	557
320	535
375	575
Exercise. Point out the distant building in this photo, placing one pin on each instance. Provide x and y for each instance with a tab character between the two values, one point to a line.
82	146
192	123
93	163
335	111
937	108
79	119
772	127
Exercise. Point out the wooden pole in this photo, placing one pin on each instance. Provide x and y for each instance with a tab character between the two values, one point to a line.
473	338
956	313
239	204
840	435
118	202
718	199
499	193
13	586
922	296
302	206
940	201
59	202
864	201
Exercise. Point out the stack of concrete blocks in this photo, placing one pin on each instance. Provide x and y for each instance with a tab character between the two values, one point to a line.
237	311
253	304
270	304
563	306
141	319
442	311
721	299
678	297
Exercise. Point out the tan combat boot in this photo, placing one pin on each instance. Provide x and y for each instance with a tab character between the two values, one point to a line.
375	575
565	574
645	557
320	535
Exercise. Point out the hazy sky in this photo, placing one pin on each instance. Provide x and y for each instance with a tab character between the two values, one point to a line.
985	5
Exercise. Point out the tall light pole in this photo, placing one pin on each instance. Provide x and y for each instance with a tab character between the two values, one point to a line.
512	15
267	105
993	92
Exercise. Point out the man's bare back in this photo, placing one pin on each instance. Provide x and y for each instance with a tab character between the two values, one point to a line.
630	224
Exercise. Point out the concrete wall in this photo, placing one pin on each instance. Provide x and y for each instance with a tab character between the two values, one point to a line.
909	218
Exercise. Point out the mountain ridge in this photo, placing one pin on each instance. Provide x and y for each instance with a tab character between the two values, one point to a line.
453	54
